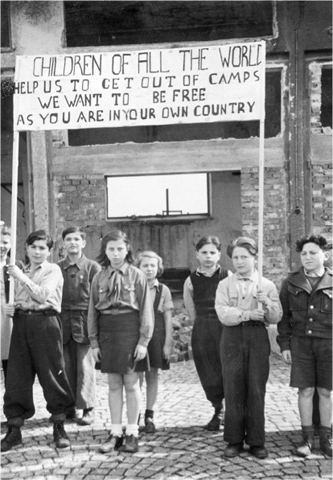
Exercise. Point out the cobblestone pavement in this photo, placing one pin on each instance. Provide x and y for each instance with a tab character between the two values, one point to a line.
180	449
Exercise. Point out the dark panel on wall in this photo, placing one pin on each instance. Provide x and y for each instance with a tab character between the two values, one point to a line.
122	23
326	97
5	24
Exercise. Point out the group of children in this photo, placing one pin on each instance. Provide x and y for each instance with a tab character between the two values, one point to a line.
79	315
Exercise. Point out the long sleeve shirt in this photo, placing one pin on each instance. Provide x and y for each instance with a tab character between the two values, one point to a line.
42	290
134	294
236	297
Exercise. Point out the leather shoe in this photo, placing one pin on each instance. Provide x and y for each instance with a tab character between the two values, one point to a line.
325	441
233	449
71	414
111	444
13	437
87	418
214	424
60	436
131	444
259	452
150	426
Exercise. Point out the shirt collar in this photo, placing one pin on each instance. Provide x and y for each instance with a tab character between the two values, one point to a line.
155	284
123	269
202	272
68	263
315	274
28	268
252	278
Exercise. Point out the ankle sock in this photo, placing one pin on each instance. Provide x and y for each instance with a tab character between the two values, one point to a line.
132	429
149	413
116	430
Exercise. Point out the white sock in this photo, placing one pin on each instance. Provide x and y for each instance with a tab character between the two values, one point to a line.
116	430
132	429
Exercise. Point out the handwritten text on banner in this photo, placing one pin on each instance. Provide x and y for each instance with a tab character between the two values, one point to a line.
148	87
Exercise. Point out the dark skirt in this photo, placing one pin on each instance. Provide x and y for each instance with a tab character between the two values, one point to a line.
156	344
118	338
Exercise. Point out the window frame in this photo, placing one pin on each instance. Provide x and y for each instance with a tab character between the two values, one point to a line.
162	218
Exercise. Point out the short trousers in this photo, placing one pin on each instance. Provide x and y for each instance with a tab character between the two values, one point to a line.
311	362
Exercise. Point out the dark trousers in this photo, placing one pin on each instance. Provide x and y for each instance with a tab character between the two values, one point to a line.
4	368
36	348
206	337
245	351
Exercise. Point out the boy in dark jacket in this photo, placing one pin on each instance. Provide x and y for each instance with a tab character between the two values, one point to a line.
305	338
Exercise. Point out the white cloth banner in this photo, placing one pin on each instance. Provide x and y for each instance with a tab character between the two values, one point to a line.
146	87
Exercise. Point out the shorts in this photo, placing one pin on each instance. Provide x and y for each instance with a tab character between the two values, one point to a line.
311	362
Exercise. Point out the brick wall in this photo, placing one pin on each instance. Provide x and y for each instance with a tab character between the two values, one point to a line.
80	200
276	252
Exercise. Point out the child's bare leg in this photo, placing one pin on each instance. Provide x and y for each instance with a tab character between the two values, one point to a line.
152	387
115	397
325	407
114	441
133	397
305	405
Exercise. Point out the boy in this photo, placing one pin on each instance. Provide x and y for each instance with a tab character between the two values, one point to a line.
245	348
78	273
36	344
305	338
6	321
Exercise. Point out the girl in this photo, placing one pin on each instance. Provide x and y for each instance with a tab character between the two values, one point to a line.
245	348
199	299
159	348
120	325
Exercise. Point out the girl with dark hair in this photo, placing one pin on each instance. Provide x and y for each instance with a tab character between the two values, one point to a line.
245	348
199	299
120	325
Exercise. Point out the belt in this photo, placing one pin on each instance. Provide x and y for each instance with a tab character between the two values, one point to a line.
48	312
78	310
253	323
116	311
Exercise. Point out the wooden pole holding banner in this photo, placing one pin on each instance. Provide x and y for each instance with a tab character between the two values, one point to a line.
261	171
16	136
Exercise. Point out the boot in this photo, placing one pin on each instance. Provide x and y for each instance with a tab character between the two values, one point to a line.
131	444
305	449
13	437
217	419
325	440
149	421
60	436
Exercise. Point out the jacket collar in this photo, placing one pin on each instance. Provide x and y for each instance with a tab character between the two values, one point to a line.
299	280
68	263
